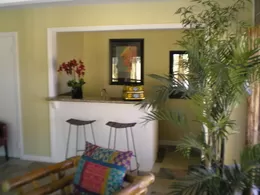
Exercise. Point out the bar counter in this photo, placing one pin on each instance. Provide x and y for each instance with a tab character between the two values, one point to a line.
93	99
102	111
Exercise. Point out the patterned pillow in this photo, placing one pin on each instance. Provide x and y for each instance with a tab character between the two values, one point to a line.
101	171
108	155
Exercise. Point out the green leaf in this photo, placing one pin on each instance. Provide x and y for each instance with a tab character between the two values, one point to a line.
165	115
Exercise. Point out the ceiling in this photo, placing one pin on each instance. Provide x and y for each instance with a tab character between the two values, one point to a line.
4	3
30	3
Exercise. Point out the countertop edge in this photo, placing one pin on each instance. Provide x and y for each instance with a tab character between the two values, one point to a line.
94	100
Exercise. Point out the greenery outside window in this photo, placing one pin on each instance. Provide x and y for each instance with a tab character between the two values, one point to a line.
177	68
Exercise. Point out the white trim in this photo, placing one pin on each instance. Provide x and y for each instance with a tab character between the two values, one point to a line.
7	2
51	47
168	143
17	91
37	158
52	130
118	27
29	2
44	3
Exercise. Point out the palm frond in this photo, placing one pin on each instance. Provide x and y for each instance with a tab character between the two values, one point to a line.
189	142
197	182
250	157
161	92
235	178
175	117
223	64
211	181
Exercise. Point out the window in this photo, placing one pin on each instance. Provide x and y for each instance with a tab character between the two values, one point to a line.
177	69
135	74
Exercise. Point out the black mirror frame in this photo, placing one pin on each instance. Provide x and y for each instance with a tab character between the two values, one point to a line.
112	43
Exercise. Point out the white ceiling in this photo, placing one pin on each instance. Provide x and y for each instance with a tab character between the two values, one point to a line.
23	2
30	3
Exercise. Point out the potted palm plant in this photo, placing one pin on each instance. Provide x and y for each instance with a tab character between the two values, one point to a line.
238	179
223	62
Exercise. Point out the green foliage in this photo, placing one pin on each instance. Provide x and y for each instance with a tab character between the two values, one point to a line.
192	141
223	63
74	84
235	178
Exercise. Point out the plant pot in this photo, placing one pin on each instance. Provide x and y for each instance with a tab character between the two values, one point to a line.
76	93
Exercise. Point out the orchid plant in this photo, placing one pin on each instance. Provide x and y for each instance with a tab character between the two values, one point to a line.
75	69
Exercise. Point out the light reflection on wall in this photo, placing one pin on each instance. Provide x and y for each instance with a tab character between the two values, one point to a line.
135	74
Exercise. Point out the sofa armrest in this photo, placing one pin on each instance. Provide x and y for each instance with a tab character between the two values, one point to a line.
58	180
32	177
139	186
53	186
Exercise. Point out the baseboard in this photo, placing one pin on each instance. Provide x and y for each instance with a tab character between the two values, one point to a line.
37	158
168	143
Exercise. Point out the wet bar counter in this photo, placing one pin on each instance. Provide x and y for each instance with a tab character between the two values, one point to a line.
102	110
92	99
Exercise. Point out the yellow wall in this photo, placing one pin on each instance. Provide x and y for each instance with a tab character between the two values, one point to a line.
70	46
236	142
31	25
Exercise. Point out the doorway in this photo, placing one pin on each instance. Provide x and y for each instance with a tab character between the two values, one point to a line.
52	60
10	112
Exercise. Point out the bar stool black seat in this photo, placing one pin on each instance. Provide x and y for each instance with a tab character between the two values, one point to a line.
120	125
126	126
77	123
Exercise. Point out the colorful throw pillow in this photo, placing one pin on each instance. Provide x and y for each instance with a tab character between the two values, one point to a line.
101	171
108	155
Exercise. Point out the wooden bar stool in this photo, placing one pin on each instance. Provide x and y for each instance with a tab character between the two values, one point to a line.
78	123
126	126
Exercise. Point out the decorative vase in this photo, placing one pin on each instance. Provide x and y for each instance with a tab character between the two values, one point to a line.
76	93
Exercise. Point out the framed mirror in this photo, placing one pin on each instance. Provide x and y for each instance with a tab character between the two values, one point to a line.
176	60
126	61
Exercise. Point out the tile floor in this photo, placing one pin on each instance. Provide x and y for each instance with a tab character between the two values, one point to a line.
168	165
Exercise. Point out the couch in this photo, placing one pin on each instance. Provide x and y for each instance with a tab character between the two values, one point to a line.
58	178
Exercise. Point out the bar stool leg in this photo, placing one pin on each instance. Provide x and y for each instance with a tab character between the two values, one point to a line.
67	148
109	140
85	137
77	140
136	160
115	138
93	135
127	142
